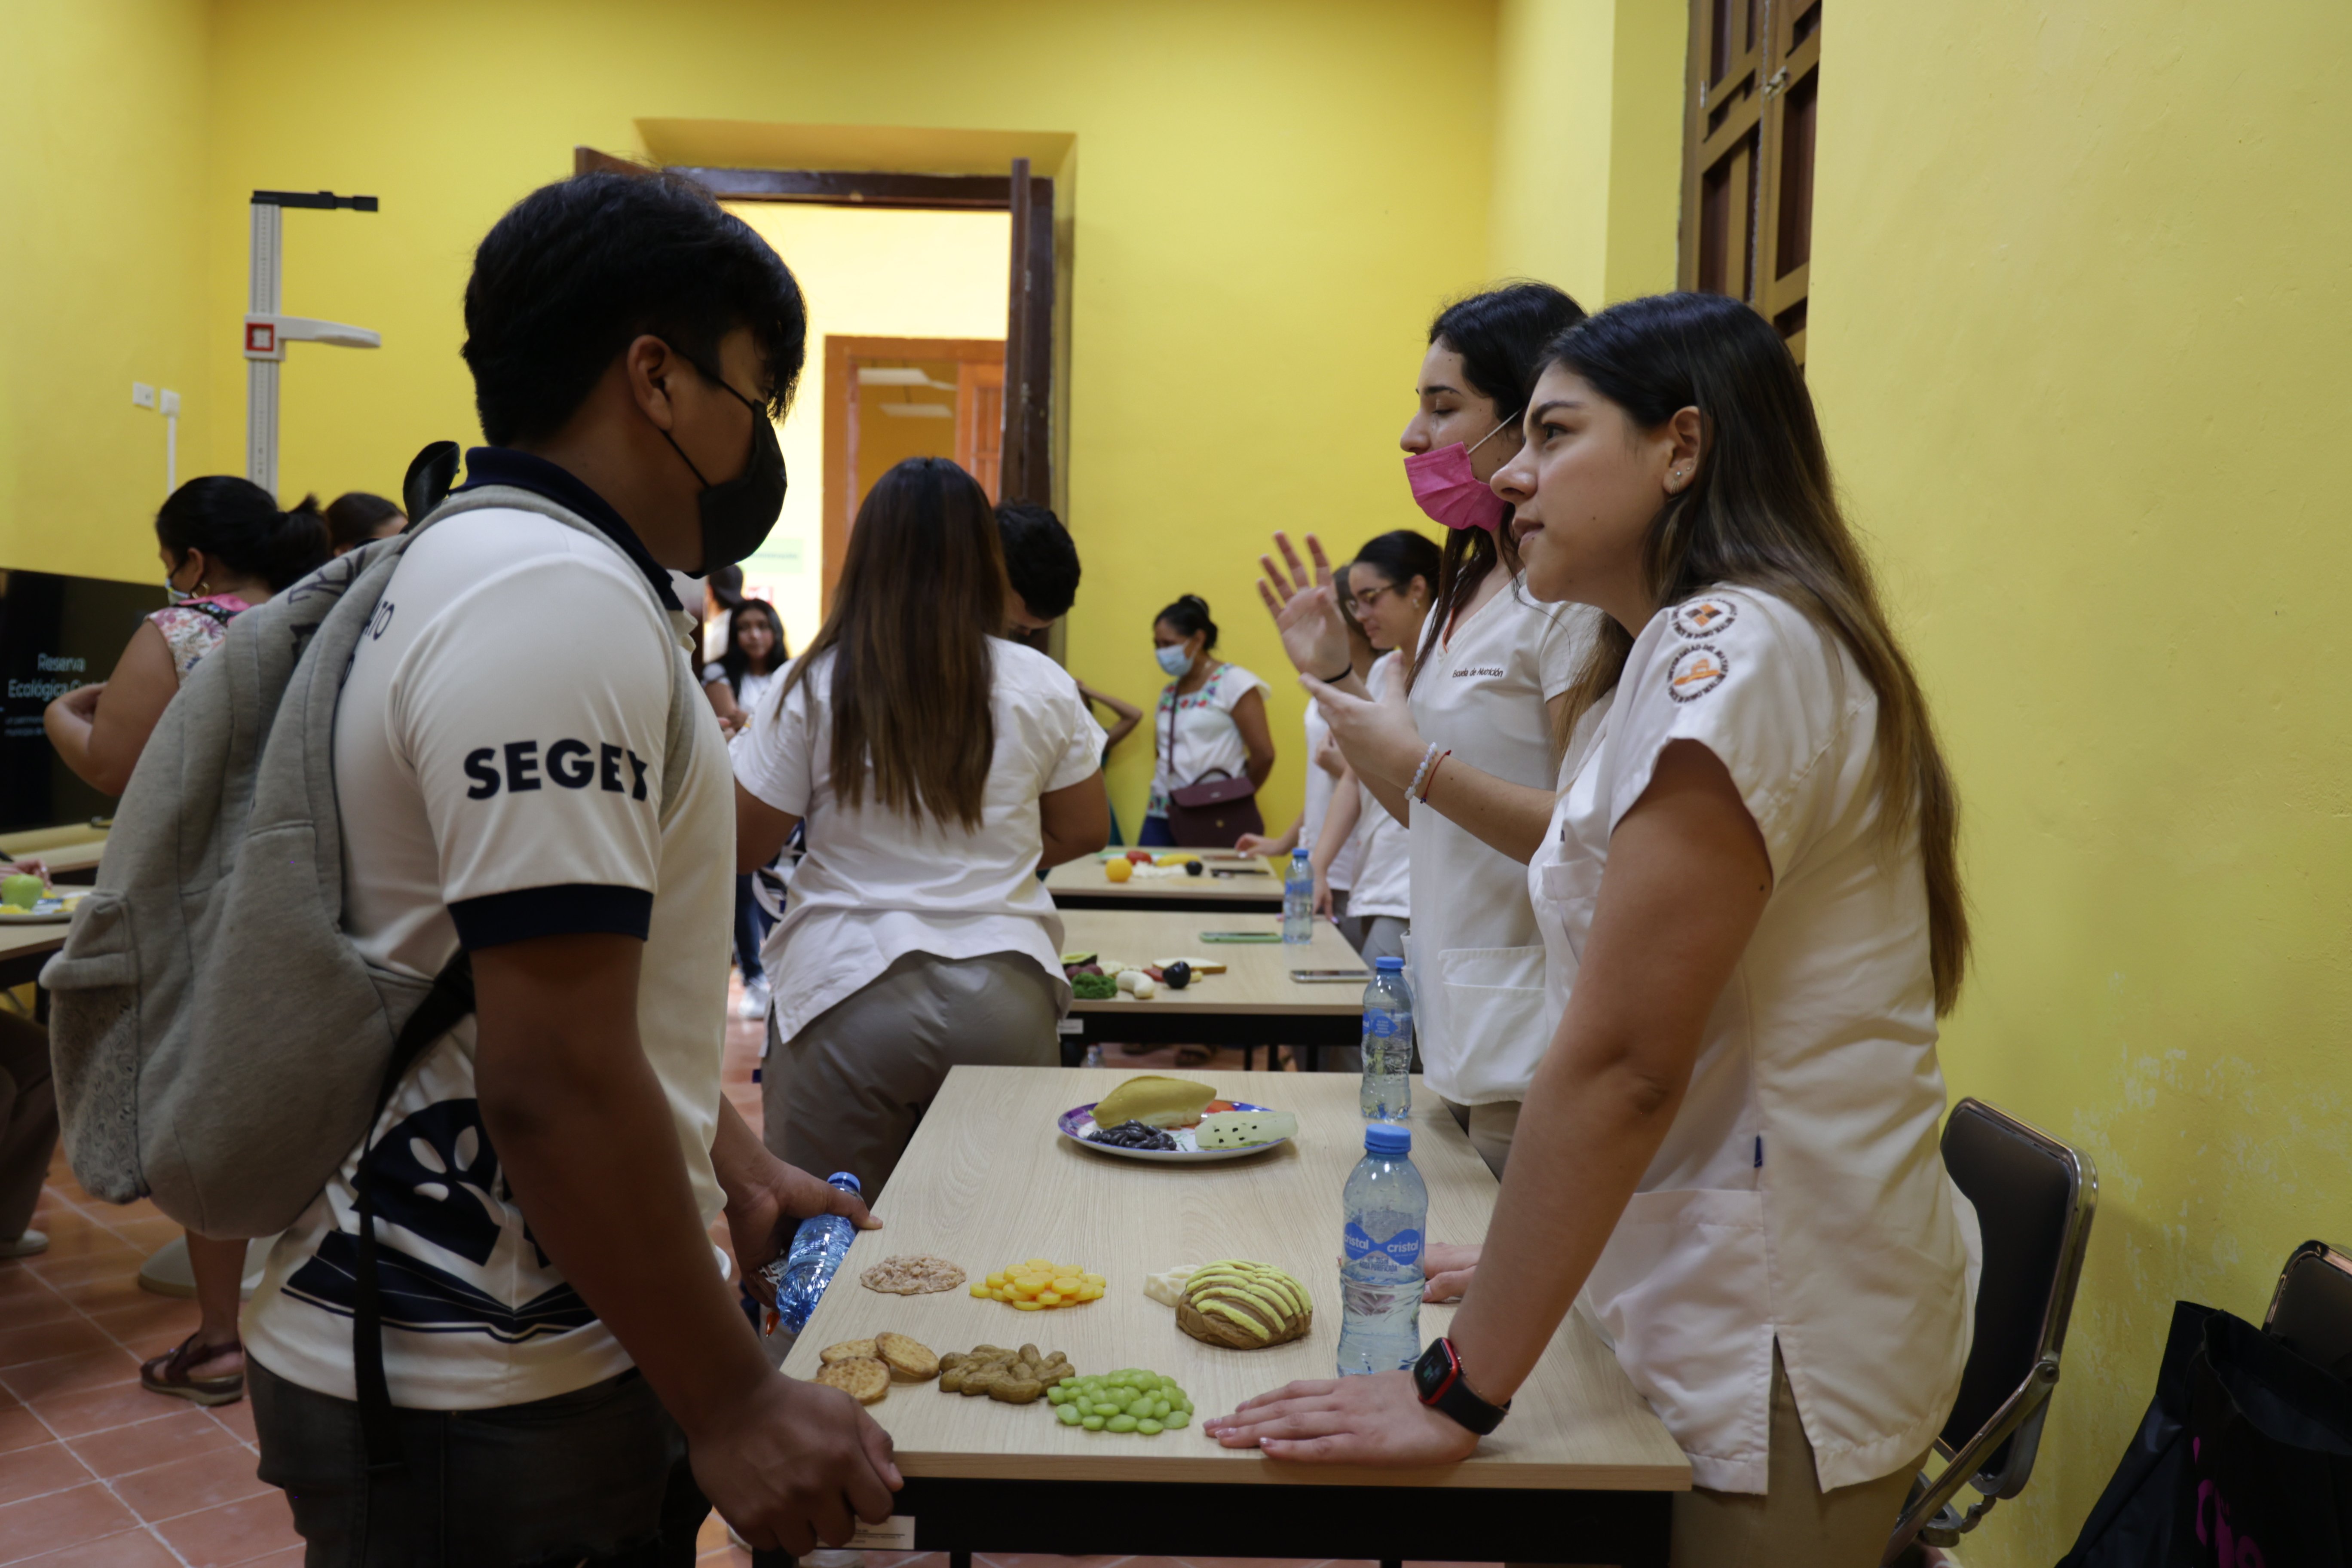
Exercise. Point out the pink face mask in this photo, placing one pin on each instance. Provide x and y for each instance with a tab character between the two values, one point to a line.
1450	492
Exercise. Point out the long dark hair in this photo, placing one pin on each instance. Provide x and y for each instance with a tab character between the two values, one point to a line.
1761	513
238	523
353	517
1501	335
735	663
923	588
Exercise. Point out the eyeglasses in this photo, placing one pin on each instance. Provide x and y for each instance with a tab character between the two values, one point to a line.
1368	599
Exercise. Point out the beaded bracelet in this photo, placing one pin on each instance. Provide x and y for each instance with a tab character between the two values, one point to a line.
1430	782
1428	761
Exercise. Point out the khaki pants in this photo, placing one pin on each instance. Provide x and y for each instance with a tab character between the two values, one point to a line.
1795	1524
845	1093
1491	1129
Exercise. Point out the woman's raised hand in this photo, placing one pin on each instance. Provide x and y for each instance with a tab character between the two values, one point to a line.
1305	610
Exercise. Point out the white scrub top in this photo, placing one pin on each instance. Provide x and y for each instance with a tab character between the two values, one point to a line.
1321	788
877	884
1385	849
1800	1194
1472	952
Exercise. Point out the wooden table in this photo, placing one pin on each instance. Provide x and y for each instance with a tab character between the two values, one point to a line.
1255	1002
1080	885
24	948
1579	1473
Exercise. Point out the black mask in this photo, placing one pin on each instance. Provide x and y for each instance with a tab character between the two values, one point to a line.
737	516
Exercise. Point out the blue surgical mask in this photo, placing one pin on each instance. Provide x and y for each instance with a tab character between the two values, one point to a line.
1174	660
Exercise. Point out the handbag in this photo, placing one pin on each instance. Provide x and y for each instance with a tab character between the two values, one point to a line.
1211	812
2244	1458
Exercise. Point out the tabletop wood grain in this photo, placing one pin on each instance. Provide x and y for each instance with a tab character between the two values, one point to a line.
988	1182
1258	974
1084	875
29	938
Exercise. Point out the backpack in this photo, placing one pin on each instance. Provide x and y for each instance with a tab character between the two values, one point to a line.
219	1045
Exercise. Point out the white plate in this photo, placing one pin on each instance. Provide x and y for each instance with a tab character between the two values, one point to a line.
1073	1123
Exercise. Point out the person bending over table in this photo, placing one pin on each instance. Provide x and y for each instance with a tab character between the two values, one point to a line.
1041	562
937	767
1468	735
1750	876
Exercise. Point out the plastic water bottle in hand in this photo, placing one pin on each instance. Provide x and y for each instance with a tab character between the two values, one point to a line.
1379	1271
1388	1043
1298	900
818	1246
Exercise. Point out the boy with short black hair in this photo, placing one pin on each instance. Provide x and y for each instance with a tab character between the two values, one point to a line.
516	779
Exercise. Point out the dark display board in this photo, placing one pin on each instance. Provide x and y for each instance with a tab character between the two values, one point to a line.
56	633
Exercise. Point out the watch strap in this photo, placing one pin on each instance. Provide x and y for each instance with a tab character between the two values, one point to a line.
1439	1382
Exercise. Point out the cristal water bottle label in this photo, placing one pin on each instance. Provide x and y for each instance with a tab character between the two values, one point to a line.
1403	1249
1387	1026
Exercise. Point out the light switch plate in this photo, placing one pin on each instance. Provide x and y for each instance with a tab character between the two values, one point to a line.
170	402
142	394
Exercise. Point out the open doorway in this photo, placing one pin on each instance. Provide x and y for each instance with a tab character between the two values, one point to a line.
888	399
883	276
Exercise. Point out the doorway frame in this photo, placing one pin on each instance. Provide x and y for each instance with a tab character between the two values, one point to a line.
1033	356
842	354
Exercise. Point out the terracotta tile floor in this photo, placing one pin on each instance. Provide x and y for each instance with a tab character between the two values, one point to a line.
96	1470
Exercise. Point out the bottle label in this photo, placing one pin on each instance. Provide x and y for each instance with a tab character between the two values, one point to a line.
1382	1024
1403	1249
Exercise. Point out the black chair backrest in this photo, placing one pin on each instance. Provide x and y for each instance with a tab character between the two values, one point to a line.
2311	1310
2026	1187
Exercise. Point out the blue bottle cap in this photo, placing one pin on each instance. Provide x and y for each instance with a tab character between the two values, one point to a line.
1388	1138
1388	965
844	1179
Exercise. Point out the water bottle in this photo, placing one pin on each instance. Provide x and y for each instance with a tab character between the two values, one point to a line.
817	1250
1298	901
1379	1276
1388	1044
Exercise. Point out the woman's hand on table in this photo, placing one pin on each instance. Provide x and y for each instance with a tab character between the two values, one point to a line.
1374	1420
793	1464
1378	738
766	1204
1305	609
1449	1267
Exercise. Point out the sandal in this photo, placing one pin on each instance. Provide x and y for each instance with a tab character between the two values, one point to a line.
168	1374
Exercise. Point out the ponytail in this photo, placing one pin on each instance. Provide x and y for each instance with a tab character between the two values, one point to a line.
1190	615
236	523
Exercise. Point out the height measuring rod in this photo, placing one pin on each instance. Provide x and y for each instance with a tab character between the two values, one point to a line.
267	332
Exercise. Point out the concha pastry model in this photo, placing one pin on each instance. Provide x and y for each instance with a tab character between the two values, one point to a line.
1244	1305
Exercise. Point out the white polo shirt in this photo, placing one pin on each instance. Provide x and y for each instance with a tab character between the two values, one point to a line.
875	884
498	763
1801	1194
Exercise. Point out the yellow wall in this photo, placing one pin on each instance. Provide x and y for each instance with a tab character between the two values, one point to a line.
102	117
1588	137
1277	198
2078	335
877	273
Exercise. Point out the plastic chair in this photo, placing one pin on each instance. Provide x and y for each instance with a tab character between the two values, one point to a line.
2311	1309
2034	1197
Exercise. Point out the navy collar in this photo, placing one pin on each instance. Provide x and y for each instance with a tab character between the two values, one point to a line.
505	466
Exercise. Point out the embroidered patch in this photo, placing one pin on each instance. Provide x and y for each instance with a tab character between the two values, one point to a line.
1696	671
1702	616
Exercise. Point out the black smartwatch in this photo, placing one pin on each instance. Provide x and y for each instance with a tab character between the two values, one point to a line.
1438	1377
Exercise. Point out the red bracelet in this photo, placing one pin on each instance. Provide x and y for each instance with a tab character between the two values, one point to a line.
1430	782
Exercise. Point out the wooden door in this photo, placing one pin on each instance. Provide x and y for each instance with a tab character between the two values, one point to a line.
1752	93
1029	343
913	373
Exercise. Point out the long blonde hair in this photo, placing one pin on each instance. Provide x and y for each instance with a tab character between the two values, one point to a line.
922	587
1761	513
